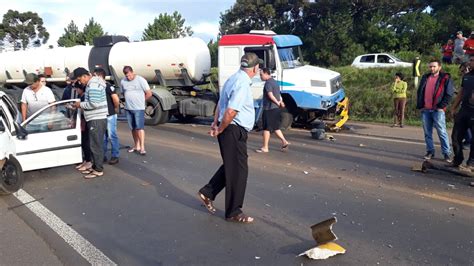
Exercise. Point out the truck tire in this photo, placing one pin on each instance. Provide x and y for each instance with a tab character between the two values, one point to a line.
154	113
286	119
11	178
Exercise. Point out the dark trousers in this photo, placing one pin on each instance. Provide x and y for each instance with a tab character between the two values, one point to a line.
85	145
464	120
96	139
233	172
399	110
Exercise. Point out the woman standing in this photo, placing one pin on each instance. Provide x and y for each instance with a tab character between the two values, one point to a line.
399	89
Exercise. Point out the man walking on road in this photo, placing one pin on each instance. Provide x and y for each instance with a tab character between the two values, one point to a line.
271	116
464	119
136	91
234	117
433	96
95	113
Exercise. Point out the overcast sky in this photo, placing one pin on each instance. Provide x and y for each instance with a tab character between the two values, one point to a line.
122	17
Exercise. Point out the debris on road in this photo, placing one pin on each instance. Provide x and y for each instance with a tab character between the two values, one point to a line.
330	137
451	186
324	236
361	145
471	184
305	172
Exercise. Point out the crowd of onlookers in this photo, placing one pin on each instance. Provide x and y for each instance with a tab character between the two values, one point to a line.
99	102
434	94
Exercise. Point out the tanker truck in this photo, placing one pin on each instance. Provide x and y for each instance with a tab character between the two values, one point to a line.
174	68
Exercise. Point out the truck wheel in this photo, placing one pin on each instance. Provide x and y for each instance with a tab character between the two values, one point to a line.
154	113
11	179
286	119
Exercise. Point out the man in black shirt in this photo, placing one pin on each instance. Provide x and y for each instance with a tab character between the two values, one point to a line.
113	102
464	119
271	117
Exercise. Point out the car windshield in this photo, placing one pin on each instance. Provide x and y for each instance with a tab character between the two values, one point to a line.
290	57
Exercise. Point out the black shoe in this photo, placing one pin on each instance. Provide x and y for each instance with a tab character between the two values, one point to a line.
401	125
448	159
114	160
428	156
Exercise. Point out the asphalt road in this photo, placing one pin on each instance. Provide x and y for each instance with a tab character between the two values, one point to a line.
145	211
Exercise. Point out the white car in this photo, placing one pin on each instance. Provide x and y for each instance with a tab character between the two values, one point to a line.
50	137
378	60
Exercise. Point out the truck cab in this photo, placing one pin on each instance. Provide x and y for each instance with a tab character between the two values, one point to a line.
309	92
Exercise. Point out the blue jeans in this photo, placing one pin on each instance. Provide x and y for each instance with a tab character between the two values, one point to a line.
436	119
111	135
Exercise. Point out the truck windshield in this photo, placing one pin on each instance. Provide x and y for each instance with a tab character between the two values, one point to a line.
290	57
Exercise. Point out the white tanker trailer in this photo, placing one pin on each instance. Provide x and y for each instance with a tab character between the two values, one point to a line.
172	67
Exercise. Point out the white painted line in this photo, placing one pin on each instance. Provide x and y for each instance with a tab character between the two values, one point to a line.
74	239
380	138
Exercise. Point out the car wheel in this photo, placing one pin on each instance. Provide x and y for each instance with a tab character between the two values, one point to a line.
11	179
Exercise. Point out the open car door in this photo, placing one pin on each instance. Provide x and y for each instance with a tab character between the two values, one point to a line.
54	137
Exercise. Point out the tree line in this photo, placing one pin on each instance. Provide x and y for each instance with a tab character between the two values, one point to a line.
333	31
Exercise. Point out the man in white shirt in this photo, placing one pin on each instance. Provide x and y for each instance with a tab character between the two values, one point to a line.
35	96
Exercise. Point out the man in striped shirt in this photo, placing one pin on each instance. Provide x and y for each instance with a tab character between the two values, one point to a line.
95	113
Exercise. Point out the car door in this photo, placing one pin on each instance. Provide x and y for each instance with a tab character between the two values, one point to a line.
54	137
384	60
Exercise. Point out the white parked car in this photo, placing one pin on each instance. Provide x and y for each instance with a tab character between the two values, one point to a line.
378	60
50	137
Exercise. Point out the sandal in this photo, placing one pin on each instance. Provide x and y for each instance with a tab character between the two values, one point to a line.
87	171
284	148
261	150
93	174
207	203
86	166
241	218
143	152
132	150
80	165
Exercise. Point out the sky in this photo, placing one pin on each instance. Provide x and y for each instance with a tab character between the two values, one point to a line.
122	17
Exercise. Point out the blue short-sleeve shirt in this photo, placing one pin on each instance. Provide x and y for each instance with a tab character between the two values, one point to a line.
237	95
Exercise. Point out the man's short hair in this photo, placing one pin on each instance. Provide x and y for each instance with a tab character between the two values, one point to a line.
435	60
127	69
79	72
265	70
31	78
100	71
250	60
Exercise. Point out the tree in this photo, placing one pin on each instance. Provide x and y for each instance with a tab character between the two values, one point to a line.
90	31
167	27
23	29
213	46
72	36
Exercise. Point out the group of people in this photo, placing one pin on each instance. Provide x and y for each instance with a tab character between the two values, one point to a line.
459	50
99	101
434	93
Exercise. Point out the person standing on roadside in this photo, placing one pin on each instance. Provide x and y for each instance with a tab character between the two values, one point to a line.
464	118
35	96
469	46
399	89
271	117
113	102
434	93
234	117
459	48
95	113
136	91
447	50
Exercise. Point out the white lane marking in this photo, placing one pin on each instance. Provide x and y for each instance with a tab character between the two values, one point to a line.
380	138
74	239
